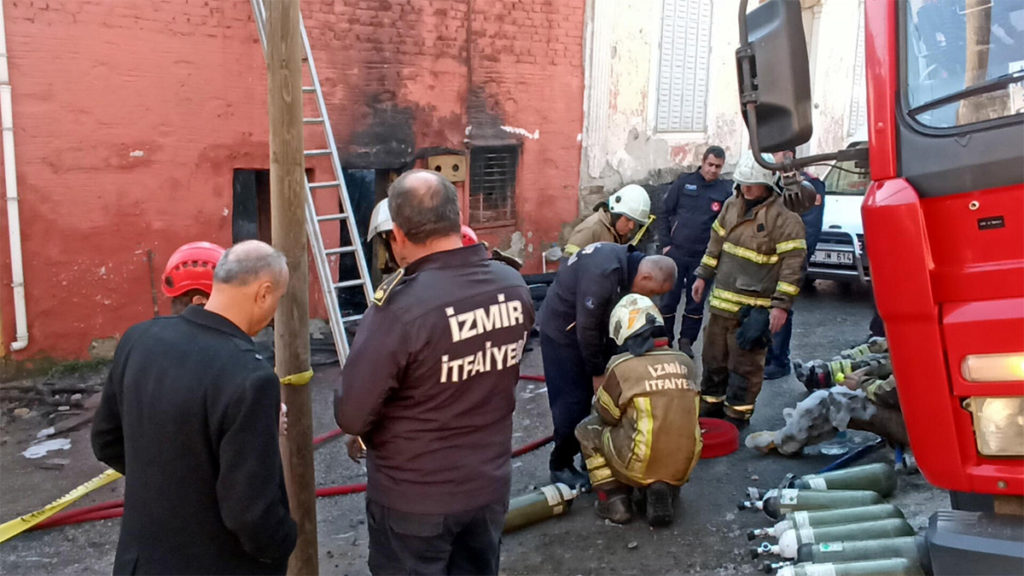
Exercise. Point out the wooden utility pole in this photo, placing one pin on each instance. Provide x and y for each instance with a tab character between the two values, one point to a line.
288	225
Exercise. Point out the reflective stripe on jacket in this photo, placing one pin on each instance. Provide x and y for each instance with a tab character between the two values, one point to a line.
596	228
755	258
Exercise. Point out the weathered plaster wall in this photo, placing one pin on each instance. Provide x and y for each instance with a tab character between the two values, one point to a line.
621	143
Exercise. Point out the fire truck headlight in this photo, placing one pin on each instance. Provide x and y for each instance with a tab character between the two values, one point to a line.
998	424
993	367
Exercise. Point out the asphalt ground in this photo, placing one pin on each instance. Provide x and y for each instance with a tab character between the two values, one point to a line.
707	537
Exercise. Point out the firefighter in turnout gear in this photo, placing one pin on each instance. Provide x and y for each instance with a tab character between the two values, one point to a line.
755	256
613	221
574	339
644	431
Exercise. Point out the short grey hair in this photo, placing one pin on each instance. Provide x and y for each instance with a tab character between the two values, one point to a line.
248	262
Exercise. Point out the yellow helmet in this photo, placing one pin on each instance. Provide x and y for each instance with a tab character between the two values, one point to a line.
631	315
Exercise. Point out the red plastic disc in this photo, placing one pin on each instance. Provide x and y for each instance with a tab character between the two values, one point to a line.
720	437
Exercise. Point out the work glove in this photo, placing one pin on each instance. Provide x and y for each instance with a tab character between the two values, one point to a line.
753	333
798	195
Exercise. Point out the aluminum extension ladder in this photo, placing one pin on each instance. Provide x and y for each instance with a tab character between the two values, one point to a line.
322	255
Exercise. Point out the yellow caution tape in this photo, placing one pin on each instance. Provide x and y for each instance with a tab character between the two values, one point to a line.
11	529
300	379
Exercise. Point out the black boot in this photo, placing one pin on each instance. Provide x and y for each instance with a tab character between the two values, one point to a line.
572	478
659	503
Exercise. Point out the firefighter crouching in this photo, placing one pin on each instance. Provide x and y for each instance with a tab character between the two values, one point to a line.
644	431
755	256
613	221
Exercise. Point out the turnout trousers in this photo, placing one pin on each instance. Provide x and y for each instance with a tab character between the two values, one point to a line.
732	376
570	392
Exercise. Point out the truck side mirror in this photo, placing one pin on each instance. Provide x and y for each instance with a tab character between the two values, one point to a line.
774	77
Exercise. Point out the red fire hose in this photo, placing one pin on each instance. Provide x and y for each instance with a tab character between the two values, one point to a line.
115	508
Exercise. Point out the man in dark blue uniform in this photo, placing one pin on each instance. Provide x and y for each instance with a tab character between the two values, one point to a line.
574	335
776	364
684	225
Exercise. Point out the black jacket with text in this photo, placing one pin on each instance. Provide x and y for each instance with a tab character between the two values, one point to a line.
429	384
580	301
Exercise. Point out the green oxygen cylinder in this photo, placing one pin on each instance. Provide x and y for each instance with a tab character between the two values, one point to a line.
816	518
793	499
887	567
541	504
911	548
880	478
790	540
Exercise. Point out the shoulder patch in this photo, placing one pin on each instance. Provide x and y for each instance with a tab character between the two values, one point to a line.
386	286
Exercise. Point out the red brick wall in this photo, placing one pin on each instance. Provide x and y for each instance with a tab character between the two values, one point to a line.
130	117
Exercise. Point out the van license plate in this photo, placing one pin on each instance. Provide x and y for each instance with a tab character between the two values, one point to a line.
832	257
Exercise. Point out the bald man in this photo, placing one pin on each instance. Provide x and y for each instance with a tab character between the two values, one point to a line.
430	387
574	335
189	414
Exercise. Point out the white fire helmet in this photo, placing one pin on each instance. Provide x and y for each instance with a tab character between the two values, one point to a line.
380	220
631	315
750	172
632	202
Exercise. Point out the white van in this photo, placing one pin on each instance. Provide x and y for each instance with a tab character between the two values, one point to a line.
840	254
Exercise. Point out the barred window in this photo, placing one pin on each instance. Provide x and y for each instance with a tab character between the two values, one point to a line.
492	184
683	70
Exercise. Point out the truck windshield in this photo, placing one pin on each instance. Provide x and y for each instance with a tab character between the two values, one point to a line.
967	56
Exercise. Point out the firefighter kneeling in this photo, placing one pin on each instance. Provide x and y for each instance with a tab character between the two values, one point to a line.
644	432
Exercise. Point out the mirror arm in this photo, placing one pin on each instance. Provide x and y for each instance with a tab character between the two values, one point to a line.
748	100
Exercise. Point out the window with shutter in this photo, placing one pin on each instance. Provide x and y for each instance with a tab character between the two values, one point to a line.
683	68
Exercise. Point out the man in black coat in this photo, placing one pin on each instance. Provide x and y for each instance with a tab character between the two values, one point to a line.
574	341
189	415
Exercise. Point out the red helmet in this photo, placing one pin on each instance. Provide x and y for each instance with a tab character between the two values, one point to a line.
191	268
468	236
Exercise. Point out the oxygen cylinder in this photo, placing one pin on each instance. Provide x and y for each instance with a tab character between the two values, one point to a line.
790	540
880	478
912	548
792	500
887	567
541	504
817	518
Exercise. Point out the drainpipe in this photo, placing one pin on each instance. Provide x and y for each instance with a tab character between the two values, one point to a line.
11	185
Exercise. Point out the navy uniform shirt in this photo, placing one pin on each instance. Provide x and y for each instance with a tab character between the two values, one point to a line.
688	209
580	301
430	382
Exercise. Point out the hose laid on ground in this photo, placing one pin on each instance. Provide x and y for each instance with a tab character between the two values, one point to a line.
115	508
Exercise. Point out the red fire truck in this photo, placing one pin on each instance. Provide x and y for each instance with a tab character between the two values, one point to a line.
944	231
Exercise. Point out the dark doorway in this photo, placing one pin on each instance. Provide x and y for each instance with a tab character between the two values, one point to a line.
250	213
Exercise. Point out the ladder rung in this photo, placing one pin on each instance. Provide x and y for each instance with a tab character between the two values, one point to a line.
342	250
329	217
347	284
317	185
309	89
352	318
312	120
322	152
